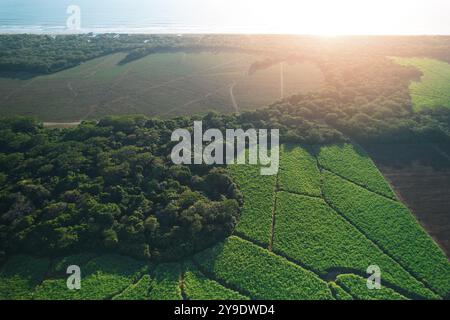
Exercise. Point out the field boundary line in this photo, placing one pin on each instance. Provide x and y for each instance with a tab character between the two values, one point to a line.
412	274
223	283
379	246
358	184
131	285
429	95
345	270
325	276
181	284
211	279
441	152
274	210
299	193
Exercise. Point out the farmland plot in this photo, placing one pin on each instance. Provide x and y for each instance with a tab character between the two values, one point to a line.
298	171
352	163
309	231
391	226
433	89
198	287
20	275
259	273
162	84
357	287
166	282
256	216
102	278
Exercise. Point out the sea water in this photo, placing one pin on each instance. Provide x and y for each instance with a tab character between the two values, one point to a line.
125	16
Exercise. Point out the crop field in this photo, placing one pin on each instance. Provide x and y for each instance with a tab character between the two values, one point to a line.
298	171
357	288
165	84
309	232
259	197
393	228
420	174
352	163
198	287
433	89
259	273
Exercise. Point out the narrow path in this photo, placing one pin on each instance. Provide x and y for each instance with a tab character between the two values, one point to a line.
69	86
233	99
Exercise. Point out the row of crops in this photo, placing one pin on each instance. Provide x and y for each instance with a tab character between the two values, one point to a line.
308	233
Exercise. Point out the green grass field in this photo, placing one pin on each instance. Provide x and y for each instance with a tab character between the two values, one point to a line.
310	232
166	85
433	89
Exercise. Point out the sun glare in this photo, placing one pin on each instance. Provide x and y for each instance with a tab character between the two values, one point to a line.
331	18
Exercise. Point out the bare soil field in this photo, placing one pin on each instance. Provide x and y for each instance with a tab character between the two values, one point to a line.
420	176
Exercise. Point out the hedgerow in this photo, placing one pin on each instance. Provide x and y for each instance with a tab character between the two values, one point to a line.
392	227
256	215
260	273
309	231
166	282
20	275
298	171
199	287
351	162
357	286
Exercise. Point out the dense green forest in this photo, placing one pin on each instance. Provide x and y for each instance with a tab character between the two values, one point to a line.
108	187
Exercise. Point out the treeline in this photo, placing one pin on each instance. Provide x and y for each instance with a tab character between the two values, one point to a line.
146	50
48	54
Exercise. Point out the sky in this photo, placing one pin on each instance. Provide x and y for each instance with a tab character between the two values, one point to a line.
323	17
339	16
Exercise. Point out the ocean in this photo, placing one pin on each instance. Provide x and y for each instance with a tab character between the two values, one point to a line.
125	16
